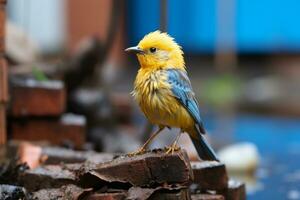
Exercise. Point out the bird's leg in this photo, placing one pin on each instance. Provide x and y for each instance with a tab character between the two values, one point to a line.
143	148
173	147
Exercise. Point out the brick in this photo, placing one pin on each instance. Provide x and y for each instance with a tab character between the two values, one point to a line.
3	80
107	196
210	175
56	155
35	154
66	192
182	194
48	176
236	190
2	124
171	192
43	98
207	197
68	128
29	154
148	169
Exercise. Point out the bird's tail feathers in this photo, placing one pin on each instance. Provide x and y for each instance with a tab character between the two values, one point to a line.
203	149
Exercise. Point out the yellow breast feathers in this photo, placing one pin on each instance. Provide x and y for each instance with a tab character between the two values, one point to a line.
155	98
151	88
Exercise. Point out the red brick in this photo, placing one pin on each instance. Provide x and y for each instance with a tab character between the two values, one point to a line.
151	168
34	98
236	190
56	131
3	81
107	196
210	175
2	124
48	176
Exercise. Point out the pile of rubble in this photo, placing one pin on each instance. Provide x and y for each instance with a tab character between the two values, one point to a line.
68	174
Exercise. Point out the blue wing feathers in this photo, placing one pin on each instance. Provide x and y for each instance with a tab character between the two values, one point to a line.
182	90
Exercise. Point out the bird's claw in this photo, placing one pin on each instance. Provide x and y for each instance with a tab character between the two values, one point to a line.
171	149
138	152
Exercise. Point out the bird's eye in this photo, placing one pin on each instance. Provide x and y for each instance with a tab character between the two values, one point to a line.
152	49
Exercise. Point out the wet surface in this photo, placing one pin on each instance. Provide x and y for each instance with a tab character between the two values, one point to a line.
278	141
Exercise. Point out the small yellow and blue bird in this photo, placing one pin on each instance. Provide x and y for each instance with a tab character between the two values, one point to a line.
164	92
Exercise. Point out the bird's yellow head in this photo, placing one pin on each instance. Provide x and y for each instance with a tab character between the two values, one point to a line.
158	50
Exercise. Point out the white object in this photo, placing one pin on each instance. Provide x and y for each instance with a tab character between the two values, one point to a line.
241	157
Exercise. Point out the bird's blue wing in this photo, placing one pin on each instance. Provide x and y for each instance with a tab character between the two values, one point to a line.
182	89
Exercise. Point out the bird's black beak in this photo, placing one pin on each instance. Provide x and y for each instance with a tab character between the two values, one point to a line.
136	50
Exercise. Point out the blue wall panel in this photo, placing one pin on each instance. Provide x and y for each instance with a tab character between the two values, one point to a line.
260	26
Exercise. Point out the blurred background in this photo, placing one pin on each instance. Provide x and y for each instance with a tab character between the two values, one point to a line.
70	79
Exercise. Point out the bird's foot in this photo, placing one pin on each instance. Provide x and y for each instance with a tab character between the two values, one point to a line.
171	149
138	152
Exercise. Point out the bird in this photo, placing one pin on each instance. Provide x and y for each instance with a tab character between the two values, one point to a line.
164	92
